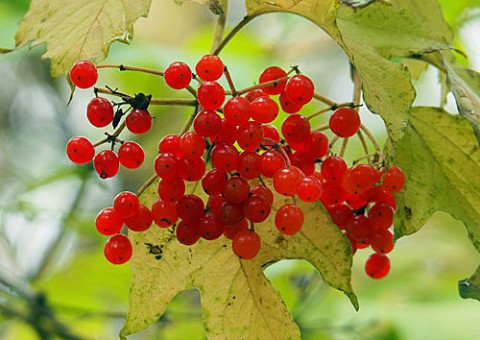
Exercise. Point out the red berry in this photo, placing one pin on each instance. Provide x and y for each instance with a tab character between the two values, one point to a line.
257	208
126	204
225	157
359	178
273	73
207	123
271	132
340	215
106	164
131	155
141	221
192	145
333	168
214	182
237	190
139	121
249	165
270	162
80	150
299	89
359	228
316	145
309	189
250	136
382	241
377	266
118	249
210	227
381	216
287	105
296	128
108	222
178	75
264	110
246	244
100	112
286	180
170	143
394	179
232	229
171	189
345	122
168	166
84	74
237	111
209	67
211	95
187	233
259	189
164	213
227	134
190	208
289	219
230	213
193	169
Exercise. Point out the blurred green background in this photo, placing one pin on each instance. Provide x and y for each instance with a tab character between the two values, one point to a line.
54	281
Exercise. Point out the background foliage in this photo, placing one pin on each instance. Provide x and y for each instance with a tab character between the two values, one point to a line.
52	275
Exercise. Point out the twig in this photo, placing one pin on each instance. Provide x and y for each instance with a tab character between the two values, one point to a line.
232	33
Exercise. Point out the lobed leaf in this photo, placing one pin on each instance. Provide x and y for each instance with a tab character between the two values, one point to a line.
238	301
75	30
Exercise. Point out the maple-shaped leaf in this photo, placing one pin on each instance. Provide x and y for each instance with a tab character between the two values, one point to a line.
238	301
441	160
75	30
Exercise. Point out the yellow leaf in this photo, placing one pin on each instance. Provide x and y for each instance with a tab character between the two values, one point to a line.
75	30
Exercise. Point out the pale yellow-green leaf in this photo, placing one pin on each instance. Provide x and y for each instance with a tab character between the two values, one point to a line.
321	12
216	6
238	301
75	30
441	160
375	37
466	89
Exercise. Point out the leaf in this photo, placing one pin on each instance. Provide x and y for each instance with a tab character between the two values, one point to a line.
322	13
441	161
467	94
238	302
470	288
75	30
374	37
218	7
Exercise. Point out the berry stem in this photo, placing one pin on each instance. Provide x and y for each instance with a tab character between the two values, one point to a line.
219	30
122	67
361	137
322	127
344	147
371	137
333	141
145	185
115	134
154	101
331	108
323	99
259	86
230	81
284	154
232	33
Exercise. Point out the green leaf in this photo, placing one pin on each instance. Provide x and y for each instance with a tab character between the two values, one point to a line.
322	13
238	302
470	288
465	86
218	7
441	161
75	30
374	37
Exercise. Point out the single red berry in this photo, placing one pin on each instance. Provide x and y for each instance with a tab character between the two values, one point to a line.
316	145
126	204
214	182
192	145
131	155
259	189
246	244
187	233
257	208
193	169
118	249
250	136
225	157
333	168
270	162
141	221
303	162
377	266
359	178
170	143
227	134
207	123
287	105
273	73
164	213
215	202
249	165
299	89
394	179
139	121
237	190
264	110
168	166
381	216
309	189
209	67
108	222
210	95
254	94
232	229
190	208
359	228
210	226
340	215
178	75
289	219
100	112
296	128
382	241
171	189
237	111
106	164
230	213
84	74
286	180
270	132
345	122
80	150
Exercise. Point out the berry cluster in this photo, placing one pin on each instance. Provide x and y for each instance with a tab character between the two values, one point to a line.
241	159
